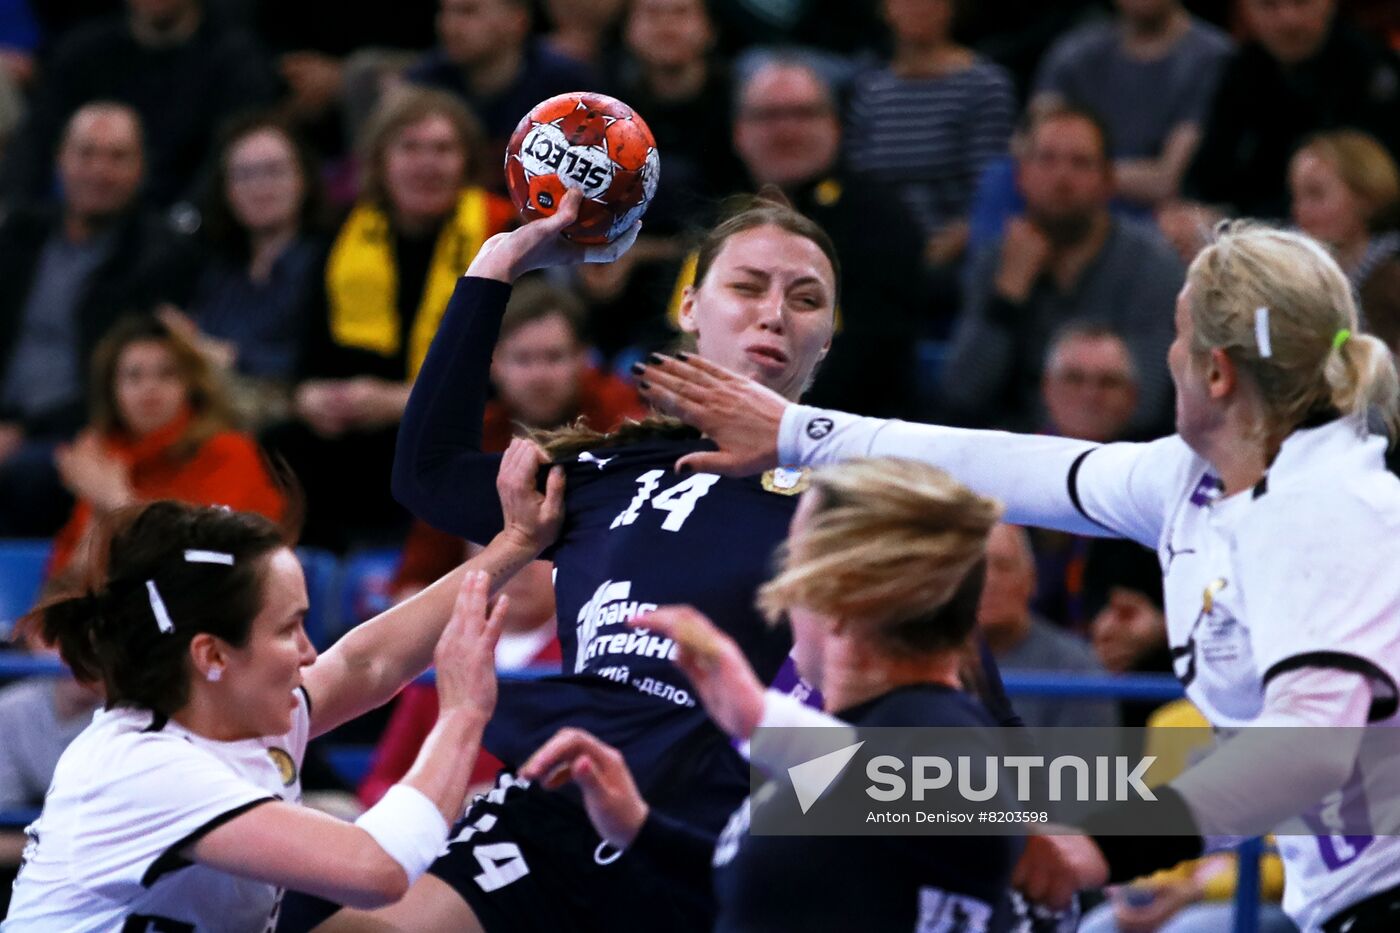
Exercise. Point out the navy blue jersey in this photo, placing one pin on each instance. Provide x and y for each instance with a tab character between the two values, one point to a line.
636	535
902	883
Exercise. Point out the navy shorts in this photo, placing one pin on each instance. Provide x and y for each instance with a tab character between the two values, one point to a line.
527	859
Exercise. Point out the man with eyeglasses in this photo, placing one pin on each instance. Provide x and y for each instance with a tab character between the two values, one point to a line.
1067	258
787	133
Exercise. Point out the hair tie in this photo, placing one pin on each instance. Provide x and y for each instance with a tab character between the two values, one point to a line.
163	620
1261	332
1341	337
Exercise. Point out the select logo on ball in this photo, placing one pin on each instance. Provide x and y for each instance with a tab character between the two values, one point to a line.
590	142
546	151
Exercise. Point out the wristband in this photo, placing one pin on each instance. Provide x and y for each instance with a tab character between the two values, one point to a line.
408	827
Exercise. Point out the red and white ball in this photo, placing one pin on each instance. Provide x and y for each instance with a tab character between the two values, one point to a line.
587	141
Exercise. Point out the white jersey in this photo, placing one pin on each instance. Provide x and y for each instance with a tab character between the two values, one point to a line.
129	794
1300	571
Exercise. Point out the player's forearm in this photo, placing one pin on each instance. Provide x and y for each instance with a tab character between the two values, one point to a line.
396	646
1028	473
444	763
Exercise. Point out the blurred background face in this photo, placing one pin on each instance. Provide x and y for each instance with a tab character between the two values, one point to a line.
1089	388
1146	11
786	131
150	391
1323	206
536	371
1290	30
596	14
920	22
264	186
425	166
100	163
668	33
475	31
1006	595
161	13
1064	176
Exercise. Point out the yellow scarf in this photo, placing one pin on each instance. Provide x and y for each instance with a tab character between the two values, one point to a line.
362	278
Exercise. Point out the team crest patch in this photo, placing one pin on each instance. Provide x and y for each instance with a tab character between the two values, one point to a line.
786	481
286	767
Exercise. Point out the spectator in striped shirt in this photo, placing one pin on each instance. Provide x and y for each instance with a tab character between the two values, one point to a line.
927	122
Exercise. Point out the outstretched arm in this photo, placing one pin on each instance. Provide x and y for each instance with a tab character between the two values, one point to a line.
1050	482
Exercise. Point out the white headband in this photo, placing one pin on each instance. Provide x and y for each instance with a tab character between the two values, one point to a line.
1261	332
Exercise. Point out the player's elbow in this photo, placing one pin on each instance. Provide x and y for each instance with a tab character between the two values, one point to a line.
380	882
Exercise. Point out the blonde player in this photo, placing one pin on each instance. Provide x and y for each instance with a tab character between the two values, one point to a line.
177	808
1278	531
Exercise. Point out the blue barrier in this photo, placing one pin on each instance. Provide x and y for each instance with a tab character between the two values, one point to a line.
1162	687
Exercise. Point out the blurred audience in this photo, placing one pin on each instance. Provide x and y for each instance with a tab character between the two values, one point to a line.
392	268
161	428
1020	640
183	71
527	639
585	30
487	56
68	270
542	379
1066	259
788	134
686	98
929	121
1346	192
39	716
262	249
1305	69
1090	390
1150	74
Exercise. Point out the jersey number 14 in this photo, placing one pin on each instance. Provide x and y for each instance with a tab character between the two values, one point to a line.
679	501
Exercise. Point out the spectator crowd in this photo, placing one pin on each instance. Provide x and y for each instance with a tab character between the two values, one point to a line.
229	228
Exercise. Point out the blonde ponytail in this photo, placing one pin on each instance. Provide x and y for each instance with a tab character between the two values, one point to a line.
1360	372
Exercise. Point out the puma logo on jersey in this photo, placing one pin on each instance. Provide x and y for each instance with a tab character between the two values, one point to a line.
599	462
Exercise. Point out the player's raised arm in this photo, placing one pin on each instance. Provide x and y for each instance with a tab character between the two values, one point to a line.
440	473
371	664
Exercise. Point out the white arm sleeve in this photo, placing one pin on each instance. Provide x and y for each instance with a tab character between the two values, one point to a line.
780	751
1225	792
1117	490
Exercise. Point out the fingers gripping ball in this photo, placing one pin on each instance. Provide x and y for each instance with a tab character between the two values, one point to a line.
587	141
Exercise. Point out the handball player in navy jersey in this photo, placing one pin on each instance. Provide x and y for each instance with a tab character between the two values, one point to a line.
636	535
880	583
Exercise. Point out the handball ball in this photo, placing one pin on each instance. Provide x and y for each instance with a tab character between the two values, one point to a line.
587	141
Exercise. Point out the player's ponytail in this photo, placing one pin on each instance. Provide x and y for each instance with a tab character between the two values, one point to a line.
1361	374
69	624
